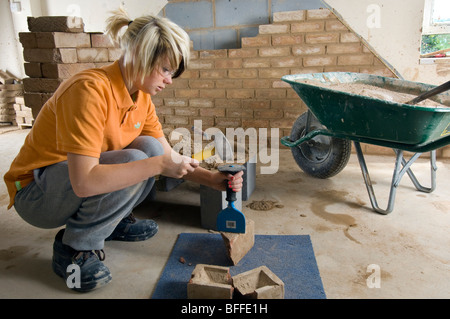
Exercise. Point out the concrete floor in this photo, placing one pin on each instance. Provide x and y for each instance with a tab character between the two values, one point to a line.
410	246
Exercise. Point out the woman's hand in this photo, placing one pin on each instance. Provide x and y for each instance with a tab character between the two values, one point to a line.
220	181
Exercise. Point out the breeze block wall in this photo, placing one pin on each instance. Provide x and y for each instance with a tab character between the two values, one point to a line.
224	88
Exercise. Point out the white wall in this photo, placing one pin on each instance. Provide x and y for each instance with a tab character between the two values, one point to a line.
393	29
11	56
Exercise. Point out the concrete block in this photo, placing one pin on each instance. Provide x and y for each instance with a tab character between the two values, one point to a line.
55	24
210	282
191	15
249	178
238	245
236	12
259	283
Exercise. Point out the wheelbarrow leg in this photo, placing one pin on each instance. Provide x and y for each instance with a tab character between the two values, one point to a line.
399	171
413	178
367	181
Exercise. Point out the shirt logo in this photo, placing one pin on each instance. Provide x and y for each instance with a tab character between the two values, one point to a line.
137	125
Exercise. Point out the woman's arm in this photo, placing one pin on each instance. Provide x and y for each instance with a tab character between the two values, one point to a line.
88	177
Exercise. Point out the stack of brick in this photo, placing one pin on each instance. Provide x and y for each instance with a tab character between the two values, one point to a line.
55	49
10	90
24	114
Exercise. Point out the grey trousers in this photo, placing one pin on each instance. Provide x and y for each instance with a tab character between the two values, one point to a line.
49	201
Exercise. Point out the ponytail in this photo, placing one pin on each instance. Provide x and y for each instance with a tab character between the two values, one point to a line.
146	41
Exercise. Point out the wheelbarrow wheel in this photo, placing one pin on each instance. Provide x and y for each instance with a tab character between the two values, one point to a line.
322	156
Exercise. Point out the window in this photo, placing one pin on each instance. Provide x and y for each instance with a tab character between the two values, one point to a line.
436	29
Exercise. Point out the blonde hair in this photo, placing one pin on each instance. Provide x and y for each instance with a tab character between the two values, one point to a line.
146	41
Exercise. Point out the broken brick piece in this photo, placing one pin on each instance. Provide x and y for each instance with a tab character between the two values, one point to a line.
259	283
238	245
210	282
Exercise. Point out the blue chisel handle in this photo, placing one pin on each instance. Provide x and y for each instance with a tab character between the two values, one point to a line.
231	169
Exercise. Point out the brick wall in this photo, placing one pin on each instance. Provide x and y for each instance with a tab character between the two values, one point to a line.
225	88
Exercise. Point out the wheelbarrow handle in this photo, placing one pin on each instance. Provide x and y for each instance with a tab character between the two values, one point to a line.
438	89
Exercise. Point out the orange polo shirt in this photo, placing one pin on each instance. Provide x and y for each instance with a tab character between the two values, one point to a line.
90	113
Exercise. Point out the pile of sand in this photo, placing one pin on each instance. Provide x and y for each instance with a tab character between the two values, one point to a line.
373	92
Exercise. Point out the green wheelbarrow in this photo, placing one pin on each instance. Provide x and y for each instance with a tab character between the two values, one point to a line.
321	138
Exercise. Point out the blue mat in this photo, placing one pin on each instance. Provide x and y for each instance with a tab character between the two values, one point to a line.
290	257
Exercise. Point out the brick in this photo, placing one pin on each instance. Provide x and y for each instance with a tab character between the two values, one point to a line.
55	24
175	102
322	38
238	245
256	63
227	122
335	25
257	41
287	39
213	74
240	93
273	73
62	40
41	85
271	94
33	69
274	51
186	112
347	37
101	40
93	55
255	123
212	93
273	28
309	26
210	282
256	83
308	49
212	112
201	103
176	120
242	53
284	62
259	283
228	64
269	114
289	16
198	64
319	14
239	113
213	54
228	84
201	84
50	55
361	59
28	39
242	73
63	70
344	48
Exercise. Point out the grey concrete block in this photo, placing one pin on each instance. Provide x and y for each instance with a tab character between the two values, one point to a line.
191	15
238	12
249	179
